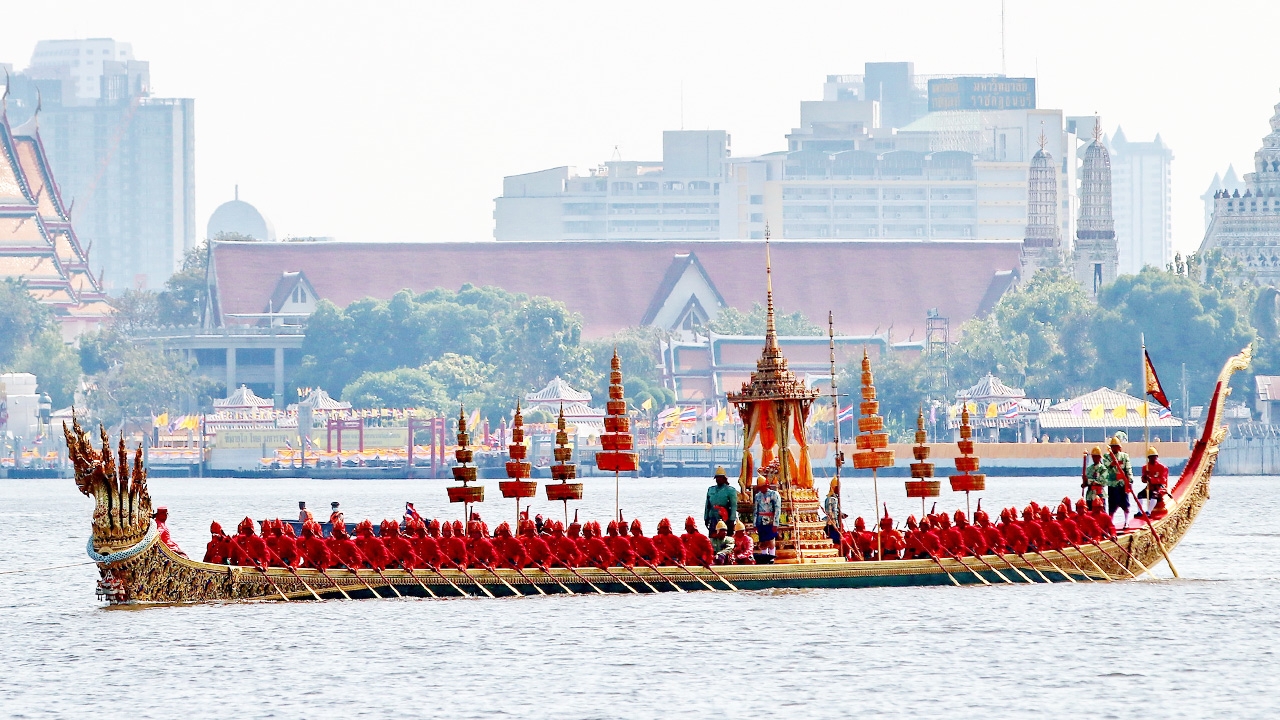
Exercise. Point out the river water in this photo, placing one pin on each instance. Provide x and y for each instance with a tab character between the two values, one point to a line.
1202	646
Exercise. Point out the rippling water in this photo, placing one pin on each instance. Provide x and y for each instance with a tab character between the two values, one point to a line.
1200	647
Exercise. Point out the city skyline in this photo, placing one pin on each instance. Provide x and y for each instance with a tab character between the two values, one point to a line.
402	102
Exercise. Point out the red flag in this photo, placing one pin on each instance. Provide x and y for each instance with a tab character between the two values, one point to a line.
1152	382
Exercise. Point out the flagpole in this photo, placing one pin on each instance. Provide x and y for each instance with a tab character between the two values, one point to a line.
1146	423
835	411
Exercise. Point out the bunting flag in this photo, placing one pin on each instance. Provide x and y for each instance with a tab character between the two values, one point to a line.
1120	412
689	415
474	422
1152	382
722	417
1096	412
972	407
162	420
1077	408
992	410
1012	412
647	404
846	414
1142	409
1164	414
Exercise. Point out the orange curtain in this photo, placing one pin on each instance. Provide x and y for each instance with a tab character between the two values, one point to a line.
804	473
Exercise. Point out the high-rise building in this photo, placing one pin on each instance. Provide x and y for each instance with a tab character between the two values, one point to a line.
675	199
1042	246
1246	225
124	159
1141	199
1096	256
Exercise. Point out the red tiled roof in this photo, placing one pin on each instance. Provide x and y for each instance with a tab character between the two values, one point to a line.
868	284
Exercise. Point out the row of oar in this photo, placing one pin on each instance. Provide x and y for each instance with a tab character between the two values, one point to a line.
493	571
1047	560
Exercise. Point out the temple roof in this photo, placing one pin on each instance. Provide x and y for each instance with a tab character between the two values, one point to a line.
558	391
613	285
989	387
243	397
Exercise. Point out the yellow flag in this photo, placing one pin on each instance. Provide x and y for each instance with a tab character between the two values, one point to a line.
722	417
474	422
992	410
1120	412
972	407
162	420
1095	412
647	404
1142	410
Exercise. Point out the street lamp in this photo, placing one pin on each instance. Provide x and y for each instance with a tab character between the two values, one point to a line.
45	408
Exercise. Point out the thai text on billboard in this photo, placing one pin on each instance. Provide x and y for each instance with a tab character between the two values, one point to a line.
982	93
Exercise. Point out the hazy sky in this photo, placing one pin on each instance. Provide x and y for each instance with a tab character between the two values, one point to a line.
397	121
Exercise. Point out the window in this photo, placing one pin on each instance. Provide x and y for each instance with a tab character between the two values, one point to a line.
757	217
757	199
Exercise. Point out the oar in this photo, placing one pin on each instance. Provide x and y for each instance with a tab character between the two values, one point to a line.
461	592
619	580
1112	559
646	582
695	577
1032	565
554	579
531	582
473	579
720	577
295	572
384	577
583	579
494	573
950	577
654	568
1091	562
259	568
1015	568
415	577
992	568
966	567
1079	569
335	583
1055	566
1134	558
1146	516
362	581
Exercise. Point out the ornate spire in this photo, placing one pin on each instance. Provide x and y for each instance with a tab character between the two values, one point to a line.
770	329
1043	140
1097	127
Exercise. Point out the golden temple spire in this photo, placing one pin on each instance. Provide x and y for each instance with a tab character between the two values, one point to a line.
770	329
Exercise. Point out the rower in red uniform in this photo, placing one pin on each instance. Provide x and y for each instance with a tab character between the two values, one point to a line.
1031	528
399	547
697	548
891	542
1014	537
993	539
864	540
161	516
482	551
284	546
425	545
564	549
972	539
1106	527
620	545
371	546
454	547
1070	531
950	538
343	549
913	550
252	549
217	550
595	551
313	549
510	551
1051	533
645	551
930	543
669	546
535	547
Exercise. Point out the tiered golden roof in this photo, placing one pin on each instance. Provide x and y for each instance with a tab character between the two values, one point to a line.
872	444
772	380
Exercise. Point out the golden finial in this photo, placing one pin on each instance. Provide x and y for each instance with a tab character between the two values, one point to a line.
462	418
770	329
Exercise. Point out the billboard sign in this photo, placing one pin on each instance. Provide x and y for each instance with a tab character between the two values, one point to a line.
982	93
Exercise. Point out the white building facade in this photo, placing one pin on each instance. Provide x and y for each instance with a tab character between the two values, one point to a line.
1141	201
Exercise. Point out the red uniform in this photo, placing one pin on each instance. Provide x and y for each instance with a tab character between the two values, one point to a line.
371	546
535	547
161	517
1014	537
284	547
596	552
511	552
891	541
252	549
620	545
455	548
343	549
216	551
645	551
399	547
425	546
564	549
313	549
697	548
482	551
670	548
865	541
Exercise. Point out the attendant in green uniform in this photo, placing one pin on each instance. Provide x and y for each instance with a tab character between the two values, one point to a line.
1119	475
721	495
1095	476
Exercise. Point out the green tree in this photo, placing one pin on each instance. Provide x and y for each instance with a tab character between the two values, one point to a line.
400	388
55	364
182	300
639	350
22	320
1183	321
142	381
902	388
732	321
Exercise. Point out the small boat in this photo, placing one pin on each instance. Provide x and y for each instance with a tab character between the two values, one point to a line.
138	566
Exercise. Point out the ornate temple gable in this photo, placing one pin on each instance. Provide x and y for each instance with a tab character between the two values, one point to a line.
1246	225
294	295
39	180
686	297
